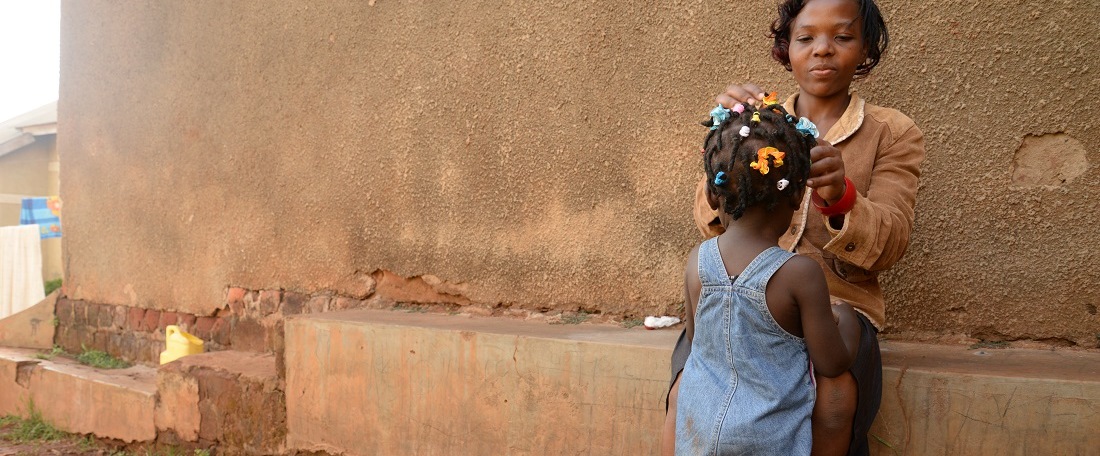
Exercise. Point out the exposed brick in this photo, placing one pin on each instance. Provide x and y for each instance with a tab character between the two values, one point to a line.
222	331
342	303
278	343
237	308
64	311
235	295
269	301
293	303
167	318
204	328
120	318
251	304
187	321
134	316
106	314
80	313
152	319
98	341
317	304
248	335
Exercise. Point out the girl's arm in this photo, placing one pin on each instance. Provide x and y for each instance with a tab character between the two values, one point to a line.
831	354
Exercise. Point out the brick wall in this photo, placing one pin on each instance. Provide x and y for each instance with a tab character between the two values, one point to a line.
249	320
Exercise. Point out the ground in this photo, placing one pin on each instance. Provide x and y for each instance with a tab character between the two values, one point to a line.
35	437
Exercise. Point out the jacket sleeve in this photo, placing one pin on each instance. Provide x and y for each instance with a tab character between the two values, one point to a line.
876	231
706	219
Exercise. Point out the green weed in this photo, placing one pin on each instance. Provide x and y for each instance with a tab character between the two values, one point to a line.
33	428
632	322
52	285
57	350
100	359
574	319
992	344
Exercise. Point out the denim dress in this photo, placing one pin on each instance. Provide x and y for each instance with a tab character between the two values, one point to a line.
747	388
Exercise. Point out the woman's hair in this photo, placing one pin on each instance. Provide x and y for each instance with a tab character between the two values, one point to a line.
875	37
742	184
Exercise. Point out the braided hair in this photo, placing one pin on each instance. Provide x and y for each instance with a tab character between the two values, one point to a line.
726	151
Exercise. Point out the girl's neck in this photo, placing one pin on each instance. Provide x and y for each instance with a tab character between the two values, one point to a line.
822	111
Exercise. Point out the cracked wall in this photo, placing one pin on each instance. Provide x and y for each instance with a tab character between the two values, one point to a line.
543	155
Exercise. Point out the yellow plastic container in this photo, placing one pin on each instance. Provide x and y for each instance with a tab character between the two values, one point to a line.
179	344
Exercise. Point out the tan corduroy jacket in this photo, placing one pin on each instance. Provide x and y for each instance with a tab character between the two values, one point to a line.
882	151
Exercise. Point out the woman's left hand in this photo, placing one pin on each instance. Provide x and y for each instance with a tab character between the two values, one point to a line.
826	172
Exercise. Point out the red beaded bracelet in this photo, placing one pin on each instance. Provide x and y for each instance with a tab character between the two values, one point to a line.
842	206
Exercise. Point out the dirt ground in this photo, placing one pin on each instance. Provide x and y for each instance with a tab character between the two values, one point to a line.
81	446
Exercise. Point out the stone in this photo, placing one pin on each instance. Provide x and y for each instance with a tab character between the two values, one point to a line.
318	304
269	302
134	317
293	303
152	319
248	335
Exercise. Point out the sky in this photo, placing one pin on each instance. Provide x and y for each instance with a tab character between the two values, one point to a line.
30	50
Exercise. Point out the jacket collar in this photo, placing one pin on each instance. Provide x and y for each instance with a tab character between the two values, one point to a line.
848	123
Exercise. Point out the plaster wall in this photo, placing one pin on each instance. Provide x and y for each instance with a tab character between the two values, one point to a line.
543	154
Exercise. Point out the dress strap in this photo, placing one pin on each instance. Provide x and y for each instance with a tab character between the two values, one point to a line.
712	271
757	274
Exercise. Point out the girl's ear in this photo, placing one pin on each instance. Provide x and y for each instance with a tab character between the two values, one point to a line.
712	198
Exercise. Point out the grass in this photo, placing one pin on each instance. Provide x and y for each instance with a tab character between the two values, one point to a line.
52	285
574	319
31	429
632	322
101	360
57	350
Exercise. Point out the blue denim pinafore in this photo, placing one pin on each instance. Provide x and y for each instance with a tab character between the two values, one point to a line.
747	388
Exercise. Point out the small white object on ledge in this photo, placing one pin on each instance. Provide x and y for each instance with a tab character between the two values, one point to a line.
660	322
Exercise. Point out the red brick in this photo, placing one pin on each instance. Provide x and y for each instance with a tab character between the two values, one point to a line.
343	303
235	295
293	303
187	321
221	332
64	311
248	335
119	320
80	316
106	316
134	317
152	319
269	301
318	304
204	327
167	318
237	308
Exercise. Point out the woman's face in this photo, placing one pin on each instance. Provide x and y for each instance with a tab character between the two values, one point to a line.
826	46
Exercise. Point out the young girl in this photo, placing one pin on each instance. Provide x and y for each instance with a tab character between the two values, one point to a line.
757	314
856	220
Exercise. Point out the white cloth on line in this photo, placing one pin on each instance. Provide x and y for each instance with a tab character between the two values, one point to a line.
20	268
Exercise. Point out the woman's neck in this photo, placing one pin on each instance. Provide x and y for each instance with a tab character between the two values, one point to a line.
822	111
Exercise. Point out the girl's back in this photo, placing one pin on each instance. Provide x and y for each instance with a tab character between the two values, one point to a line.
748	386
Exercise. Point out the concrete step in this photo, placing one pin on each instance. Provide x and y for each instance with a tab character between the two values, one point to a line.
390	382
117	404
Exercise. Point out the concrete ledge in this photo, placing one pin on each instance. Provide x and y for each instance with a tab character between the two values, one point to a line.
31	328
117	404
386	382
952	400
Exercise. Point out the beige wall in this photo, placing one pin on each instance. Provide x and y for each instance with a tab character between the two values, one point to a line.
542	154
31	171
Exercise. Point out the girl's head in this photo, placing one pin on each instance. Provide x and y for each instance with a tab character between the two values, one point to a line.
756	157
847	37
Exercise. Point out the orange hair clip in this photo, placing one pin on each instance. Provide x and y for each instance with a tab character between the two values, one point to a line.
761	163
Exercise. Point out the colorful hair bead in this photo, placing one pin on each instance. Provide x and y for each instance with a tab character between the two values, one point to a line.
782	184
756	117
744	131
762	155
739	108
720	178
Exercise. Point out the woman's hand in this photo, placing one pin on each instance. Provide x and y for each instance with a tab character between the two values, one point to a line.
740	93
826	172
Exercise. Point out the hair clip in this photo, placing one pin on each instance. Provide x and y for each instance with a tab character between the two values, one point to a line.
806	127
720	178
782	184
744	131
756	117
717	116
770	99
739	108
790	118
762	155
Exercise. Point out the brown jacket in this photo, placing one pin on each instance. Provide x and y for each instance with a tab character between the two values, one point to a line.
882	151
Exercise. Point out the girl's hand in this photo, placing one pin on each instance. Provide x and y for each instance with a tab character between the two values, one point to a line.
826	172
740	93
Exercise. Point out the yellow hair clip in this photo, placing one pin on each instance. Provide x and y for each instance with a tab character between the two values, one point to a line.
762	155
756	117
770	99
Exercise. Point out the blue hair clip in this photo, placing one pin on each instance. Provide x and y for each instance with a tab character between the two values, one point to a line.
790	118
717	116
806	127
720	178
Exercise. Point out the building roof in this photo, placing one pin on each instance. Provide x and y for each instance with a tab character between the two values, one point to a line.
19	131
